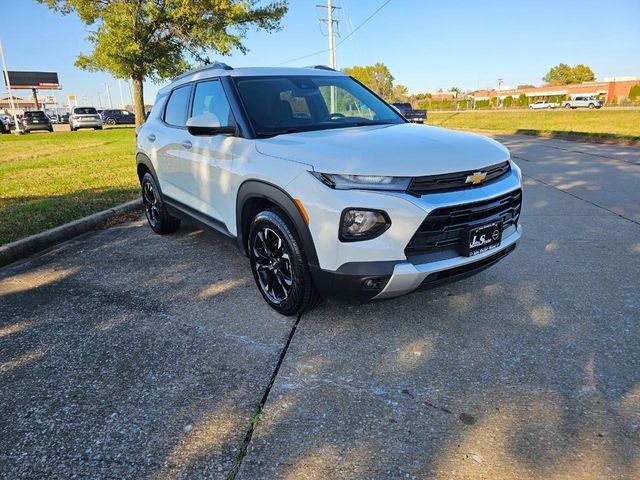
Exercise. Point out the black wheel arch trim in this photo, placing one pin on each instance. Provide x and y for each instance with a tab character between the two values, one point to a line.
142	159
260	189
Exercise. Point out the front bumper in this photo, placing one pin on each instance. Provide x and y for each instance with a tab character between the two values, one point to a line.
370	281
407	276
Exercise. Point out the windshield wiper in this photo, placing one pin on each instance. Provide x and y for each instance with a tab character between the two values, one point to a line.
278	132
371	122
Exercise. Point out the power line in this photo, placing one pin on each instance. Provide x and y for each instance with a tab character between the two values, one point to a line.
363	23
341	41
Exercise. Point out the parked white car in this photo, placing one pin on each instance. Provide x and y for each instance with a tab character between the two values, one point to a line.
326	188
583	102
542	104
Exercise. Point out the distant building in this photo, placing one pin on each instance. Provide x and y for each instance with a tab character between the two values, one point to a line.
439	96
612	90
20	105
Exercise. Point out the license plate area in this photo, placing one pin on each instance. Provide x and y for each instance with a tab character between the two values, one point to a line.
481	239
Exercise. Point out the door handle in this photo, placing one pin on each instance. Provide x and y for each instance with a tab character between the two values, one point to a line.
151	137
187	144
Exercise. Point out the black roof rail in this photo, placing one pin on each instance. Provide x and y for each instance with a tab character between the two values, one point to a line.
322	67
209	66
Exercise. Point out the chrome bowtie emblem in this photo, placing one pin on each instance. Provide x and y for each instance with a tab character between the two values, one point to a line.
476	178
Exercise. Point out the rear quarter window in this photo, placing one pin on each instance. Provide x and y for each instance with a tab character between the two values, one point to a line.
175	113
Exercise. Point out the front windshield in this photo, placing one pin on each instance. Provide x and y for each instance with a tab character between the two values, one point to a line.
289	104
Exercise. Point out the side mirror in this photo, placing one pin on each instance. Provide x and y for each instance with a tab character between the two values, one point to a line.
207	124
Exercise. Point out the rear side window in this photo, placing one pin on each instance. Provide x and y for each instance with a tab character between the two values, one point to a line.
209	97
86	111
176	111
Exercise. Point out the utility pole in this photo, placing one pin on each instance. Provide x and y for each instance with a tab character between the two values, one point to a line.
332	45
99	100
109	95
499	88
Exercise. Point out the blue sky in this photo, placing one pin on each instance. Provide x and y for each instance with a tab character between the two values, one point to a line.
427	44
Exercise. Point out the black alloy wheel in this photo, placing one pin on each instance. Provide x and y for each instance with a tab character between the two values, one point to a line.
279	264
273	265
157	215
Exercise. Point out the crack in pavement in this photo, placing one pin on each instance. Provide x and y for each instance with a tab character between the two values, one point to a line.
255	418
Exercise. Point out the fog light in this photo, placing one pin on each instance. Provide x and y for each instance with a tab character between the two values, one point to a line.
374	283
359	224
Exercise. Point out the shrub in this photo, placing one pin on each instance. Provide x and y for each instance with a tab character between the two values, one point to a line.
523	101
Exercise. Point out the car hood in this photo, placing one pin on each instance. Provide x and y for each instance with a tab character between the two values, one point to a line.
395	150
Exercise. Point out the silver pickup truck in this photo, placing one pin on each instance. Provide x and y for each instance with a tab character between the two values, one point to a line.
584	102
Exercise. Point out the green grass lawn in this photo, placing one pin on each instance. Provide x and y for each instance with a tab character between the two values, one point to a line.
47	179
624	124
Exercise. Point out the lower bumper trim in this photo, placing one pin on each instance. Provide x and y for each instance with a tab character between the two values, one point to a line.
407	277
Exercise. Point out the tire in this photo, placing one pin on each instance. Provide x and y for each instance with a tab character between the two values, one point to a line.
591	106
97	128
279	264
110	121
157	215
567	106
549	107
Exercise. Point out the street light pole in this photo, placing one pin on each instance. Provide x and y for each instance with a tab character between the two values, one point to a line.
6	77
499	88
121	95
109	96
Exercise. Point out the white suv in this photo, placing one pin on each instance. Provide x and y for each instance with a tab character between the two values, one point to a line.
325	187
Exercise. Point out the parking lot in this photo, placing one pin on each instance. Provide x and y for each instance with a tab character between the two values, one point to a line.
124	354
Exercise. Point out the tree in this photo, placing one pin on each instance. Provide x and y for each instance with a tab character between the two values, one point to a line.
634	92
522	100
400	93
155	39
582	73
377	77
563	74
456	90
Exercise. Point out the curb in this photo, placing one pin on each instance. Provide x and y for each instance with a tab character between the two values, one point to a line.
24	247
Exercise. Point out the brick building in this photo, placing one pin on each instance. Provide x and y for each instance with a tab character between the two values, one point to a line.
610	90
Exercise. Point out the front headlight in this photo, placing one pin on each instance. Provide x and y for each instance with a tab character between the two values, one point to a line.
362	224
363	182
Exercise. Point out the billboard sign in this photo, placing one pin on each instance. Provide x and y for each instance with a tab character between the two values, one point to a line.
29	80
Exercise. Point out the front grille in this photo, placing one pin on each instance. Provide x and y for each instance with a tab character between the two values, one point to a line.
444	227
454	181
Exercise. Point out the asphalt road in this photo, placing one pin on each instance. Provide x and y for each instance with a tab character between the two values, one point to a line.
128	355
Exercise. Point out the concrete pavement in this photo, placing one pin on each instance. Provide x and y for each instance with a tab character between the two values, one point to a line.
528	370
125	354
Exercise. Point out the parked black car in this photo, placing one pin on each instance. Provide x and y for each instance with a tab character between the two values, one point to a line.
410	113
115	117
36	120
4	127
